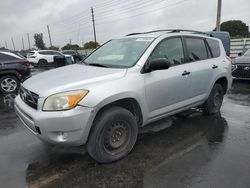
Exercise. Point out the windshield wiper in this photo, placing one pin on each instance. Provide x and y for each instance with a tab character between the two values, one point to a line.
97	65
83	62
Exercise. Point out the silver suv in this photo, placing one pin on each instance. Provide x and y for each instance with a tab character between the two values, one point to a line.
124	85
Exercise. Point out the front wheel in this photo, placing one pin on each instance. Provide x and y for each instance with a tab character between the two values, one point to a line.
214	101
113	135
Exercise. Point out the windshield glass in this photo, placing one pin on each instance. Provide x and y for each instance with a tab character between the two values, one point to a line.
247	53
119	53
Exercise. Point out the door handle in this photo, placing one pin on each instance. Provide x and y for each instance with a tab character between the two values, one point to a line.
185	73
214	67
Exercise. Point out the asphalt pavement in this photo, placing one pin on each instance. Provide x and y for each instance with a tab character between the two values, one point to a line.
188	150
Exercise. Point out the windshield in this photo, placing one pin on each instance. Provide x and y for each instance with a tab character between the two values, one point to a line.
119	53
247	53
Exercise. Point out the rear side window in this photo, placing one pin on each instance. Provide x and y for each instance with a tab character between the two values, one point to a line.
196	49
214	46
56	53
45	53
5	57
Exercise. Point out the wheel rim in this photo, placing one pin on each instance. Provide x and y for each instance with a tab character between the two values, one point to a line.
218	100
117	137
9	85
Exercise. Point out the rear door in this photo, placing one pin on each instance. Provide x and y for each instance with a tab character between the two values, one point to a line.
50	56
167	90
203	67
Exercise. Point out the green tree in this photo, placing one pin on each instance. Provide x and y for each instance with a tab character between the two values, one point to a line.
39	43
71	47
236	28
54	48
91	45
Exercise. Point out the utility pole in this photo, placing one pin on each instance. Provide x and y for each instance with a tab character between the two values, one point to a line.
49	36
6	44
23	43
218	15
93	20
28	37
13	43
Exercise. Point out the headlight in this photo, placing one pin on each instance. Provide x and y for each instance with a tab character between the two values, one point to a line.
64	101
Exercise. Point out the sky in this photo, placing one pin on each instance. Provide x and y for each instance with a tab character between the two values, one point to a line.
71	21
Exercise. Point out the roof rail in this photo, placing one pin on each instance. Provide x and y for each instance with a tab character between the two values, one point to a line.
172	31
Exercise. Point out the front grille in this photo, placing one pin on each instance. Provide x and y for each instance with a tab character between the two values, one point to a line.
242	71
29	97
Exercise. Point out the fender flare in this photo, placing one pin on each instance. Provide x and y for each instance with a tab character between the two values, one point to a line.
13	72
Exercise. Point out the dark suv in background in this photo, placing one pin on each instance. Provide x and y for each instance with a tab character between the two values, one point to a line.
77	57
13	70
242	66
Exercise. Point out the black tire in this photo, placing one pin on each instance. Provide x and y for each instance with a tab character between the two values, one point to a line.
113	135
214	101
13	86
42	63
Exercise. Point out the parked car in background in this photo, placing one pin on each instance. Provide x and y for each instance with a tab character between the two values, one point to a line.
13	70
77	57
42	57
225	39
122	86
241	66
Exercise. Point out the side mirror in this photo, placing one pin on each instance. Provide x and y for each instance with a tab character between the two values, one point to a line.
158	64
240	54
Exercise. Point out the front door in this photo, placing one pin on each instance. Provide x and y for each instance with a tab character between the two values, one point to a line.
167	90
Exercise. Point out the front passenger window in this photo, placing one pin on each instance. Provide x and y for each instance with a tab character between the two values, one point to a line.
171	49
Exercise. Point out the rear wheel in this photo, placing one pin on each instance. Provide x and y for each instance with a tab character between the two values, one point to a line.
9	84
113	135
214	101
42	63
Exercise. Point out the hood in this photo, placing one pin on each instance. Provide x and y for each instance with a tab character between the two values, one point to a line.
242	59
70	77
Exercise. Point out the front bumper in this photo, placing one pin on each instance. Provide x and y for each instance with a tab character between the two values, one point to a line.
241	71
63	127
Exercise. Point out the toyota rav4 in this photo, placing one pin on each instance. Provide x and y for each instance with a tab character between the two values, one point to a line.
125	84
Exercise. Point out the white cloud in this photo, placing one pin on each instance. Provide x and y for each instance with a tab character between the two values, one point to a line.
71	20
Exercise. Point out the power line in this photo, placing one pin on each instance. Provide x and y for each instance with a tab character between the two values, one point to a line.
128	6
129	9
101	16
136	15
104	16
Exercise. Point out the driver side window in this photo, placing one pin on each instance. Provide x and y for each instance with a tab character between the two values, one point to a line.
171	49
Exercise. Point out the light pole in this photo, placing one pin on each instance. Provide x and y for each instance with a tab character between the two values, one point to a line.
218	15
